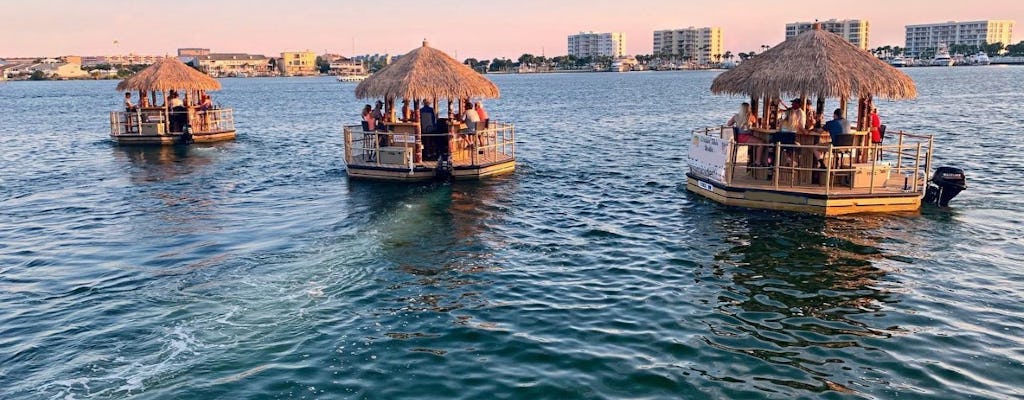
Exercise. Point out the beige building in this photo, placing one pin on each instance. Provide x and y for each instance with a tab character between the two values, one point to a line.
234	64
193	52
298	63
853	30
590	44
700	45
928	37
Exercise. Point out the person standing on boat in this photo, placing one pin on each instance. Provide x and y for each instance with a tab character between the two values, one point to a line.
378	114
470	118
128	106
876	126
428	118
741	123
369	123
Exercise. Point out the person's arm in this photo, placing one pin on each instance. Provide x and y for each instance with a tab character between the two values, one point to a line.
732	121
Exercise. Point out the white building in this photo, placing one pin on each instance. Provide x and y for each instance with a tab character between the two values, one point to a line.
927	37
700	45
234	64
590	44
853	30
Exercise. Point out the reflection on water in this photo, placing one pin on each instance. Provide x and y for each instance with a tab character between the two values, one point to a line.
799	289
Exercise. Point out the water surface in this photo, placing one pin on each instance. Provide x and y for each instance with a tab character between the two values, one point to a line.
256	269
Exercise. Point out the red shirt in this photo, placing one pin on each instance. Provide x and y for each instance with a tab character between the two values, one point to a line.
481	113
876	134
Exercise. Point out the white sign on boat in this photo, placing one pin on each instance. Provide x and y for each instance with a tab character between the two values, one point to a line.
708	156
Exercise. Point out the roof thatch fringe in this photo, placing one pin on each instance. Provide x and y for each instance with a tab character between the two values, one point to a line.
426	73
166	74
815	63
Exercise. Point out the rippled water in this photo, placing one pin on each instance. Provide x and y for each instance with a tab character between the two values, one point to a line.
255	269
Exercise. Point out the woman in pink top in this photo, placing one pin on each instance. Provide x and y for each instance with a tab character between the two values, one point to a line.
481	112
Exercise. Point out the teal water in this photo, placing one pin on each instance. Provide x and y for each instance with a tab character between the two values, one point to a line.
255	269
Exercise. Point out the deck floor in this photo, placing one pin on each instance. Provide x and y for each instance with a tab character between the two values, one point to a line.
840	184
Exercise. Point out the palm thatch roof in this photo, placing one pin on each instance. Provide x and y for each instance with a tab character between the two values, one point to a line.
815	63
166	74
426	73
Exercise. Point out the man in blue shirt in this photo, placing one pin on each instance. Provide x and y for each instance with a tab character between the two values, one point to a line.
838	125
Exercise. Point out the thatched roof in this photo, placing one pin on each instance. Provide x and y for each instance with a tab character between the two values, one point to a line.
426	73
166	74
815	63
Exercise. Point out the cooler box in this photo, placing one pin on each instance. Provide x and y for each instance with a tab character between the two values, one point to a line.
863	177
152	128
394	155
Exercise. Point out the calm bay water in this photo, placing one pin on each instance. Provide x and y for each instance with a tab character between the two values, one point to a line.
255	269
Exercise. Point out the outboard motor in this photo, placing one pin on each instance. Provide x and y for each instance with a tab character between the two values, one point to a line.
443	171
186	134
944	186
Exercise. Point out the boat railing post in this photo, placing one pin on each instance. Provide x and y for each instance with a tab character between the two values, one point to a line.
871	177
828	170
775	174
917	165
899	160
928	159
513	142
348	144
731	164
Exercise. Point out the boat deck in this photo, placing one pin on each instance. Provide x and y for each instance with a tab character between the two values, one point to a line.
841	185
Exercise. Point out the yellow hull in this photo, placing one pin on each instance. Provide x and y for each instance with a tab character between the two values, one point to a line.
170	139
805	202
426	173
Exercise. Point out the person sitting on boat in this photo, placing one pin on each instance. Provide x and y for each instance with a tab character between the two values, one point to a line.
838	125
479	107
369	123
428	118
469	117
741	123
794	121
206	103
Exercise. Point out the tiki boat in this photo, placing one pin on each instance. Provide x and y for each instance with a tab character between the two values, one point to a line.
806	171
418	145
172	107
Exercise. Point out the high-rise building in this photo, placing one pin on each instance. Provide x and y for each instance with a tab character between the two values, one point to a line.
929	37
590	44
853	30
700	45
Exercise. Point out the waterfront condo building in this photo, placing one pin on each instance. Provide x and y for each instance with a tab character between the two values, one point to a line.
234	64
193	52
700	45
928	37
298	63
590	44
853	30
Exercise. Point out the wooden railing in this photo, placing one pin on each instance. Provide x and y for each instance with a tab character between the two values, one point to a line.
909	156
405	150
158	122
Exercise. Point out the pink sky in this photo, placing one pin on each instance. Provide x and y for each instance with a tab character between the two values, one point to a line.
481	29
